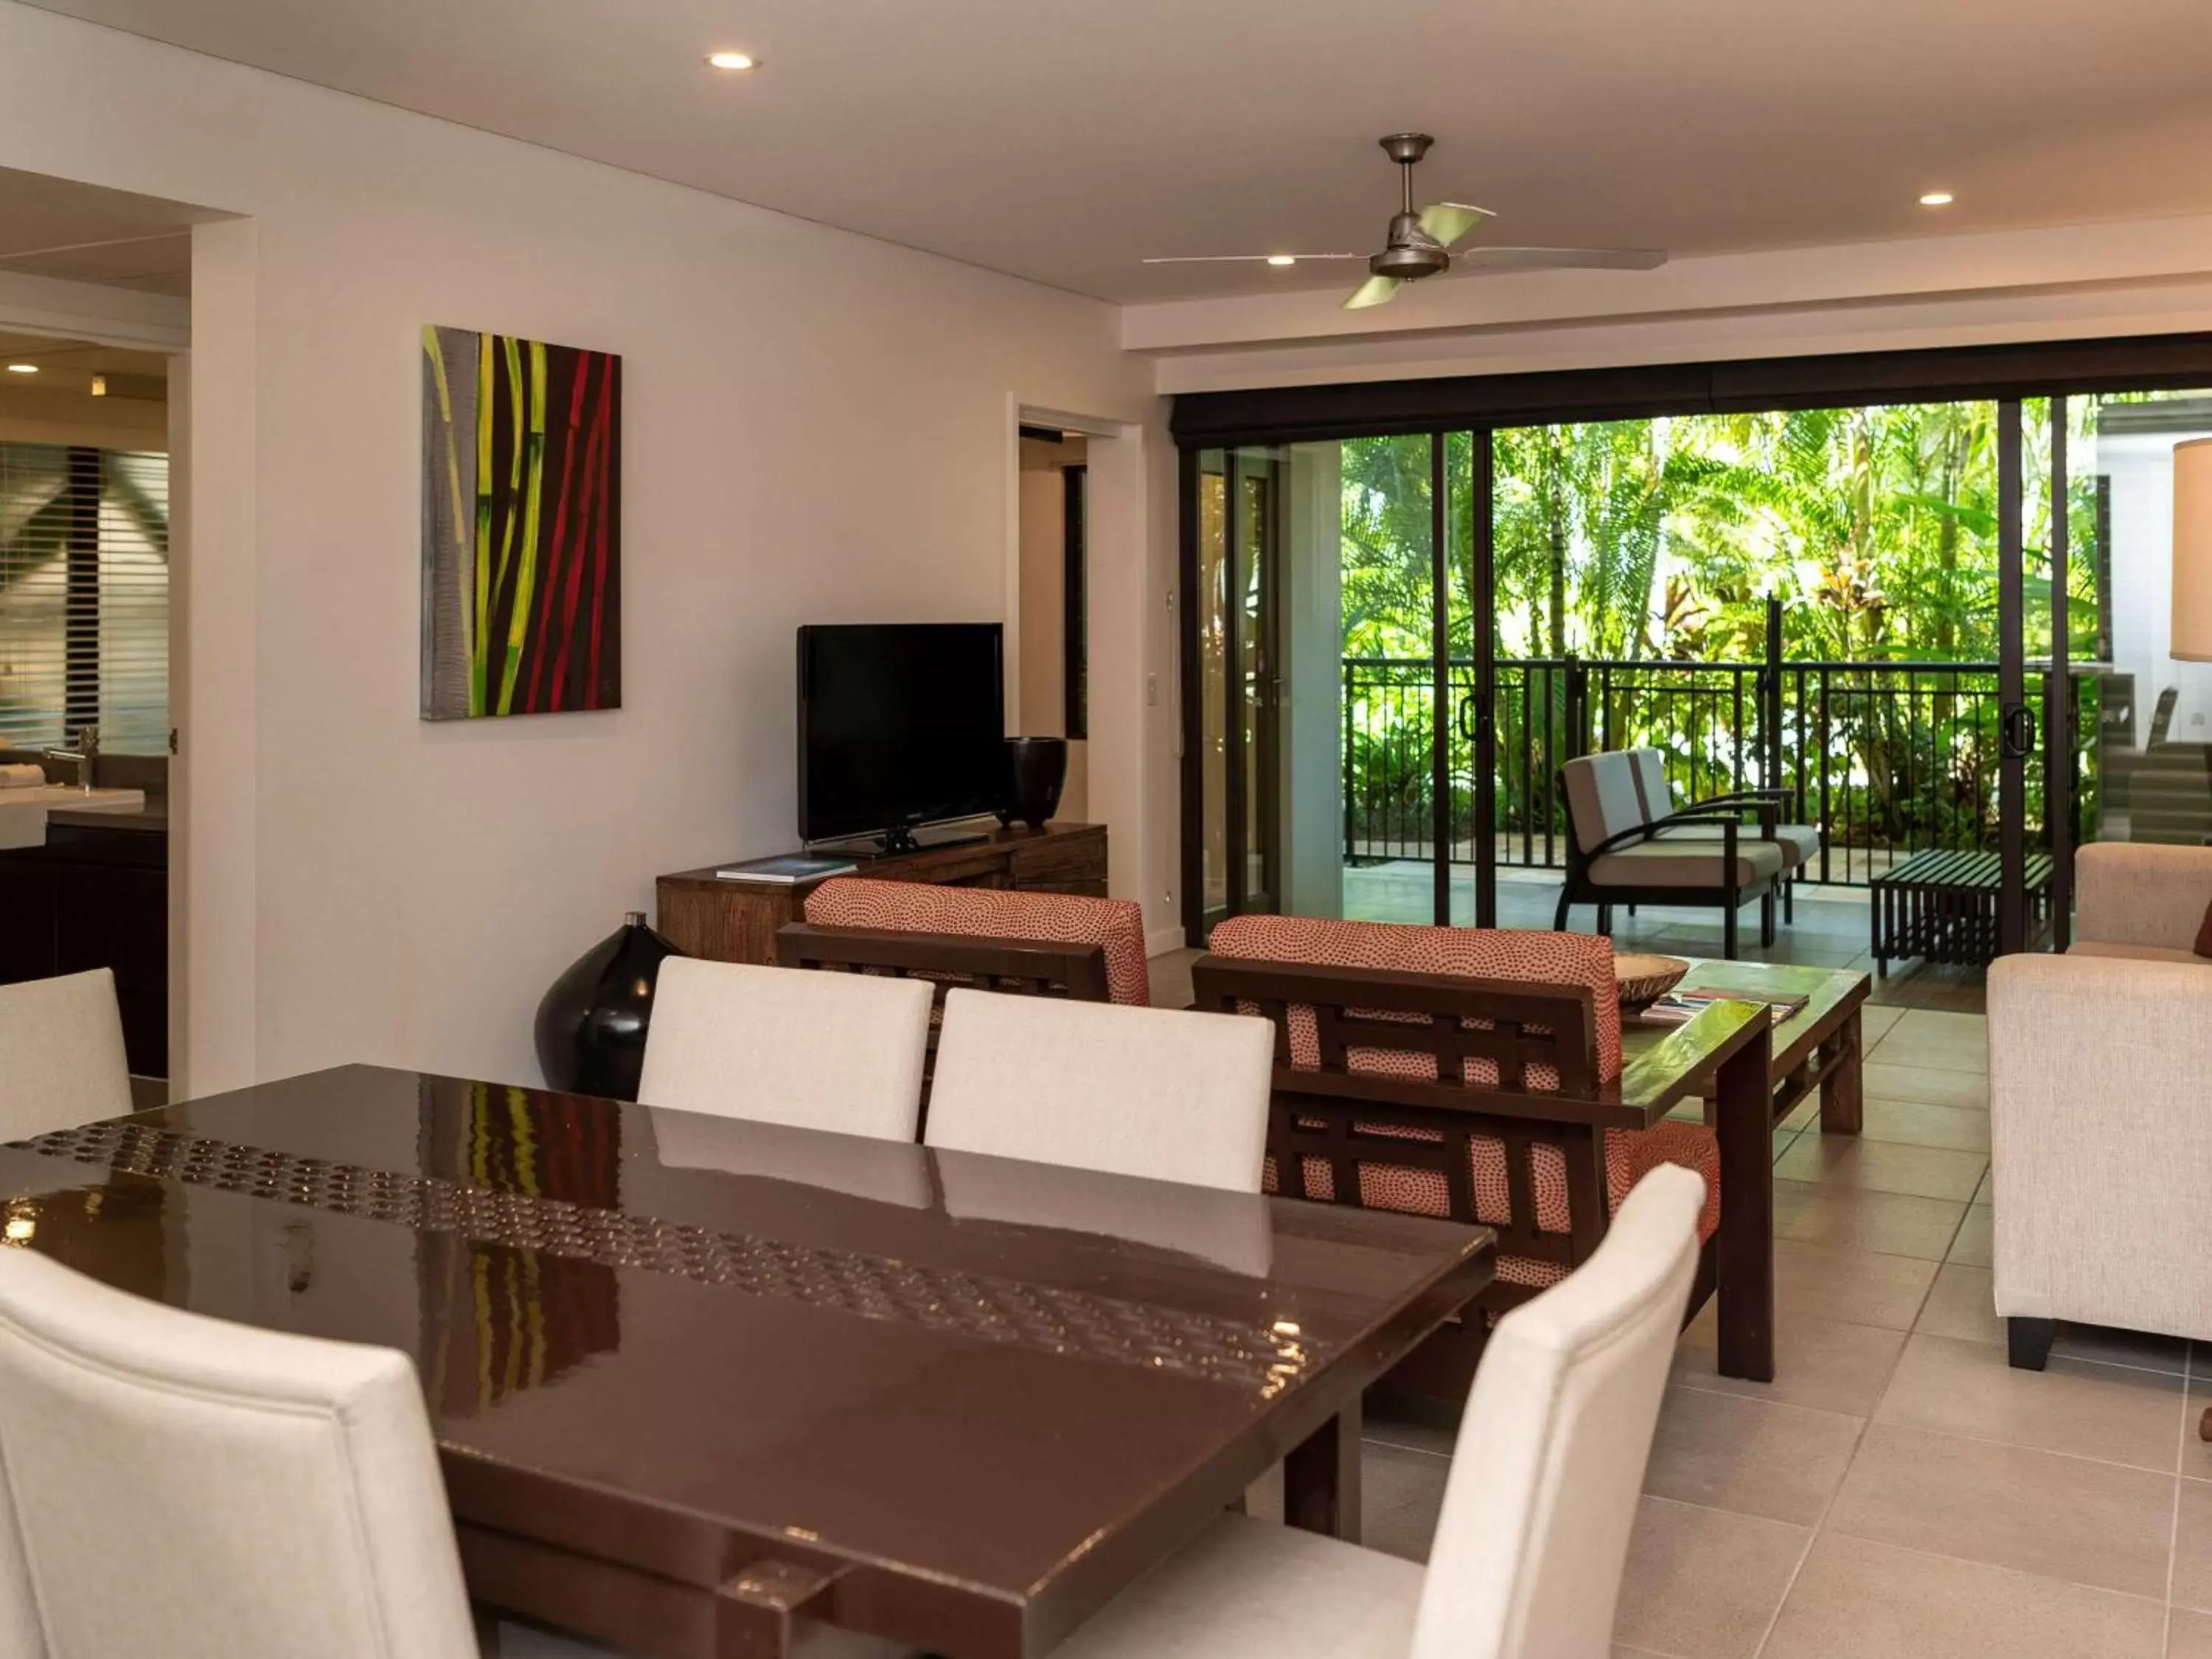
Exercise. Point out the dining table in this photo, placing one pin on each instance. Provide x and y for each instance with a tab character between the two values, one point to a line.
705	1388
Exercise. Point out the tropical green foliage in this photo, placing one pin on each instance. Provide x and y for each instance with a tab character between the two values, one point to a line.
1661	539
1659	542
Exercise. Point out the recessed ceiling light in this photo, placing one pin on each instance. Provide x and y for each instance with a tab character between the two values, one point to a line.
23	368
1936	199
730	60
1282	259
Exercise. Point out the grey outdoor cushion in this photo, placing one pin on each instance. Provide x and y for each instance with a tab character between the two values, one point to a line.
1602	799
1671	864
1657	794
1799	843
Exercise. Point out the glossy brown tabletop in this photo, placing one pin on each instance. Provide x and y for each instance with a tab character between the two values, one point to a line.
697	1381
1816	1047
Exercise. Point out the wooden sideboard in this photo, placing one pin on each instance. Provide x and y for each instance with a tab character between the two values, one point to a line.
704	914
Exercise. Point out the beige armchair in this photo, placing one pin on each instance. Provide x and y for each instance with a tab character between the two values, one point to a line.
2100	1064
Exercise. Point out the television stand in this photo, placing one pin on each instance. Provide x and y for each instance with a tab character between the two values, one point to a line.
703	914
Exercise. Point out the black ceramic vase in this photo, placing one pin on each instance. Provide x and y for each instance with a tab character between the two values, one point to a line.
1037	768
592	1025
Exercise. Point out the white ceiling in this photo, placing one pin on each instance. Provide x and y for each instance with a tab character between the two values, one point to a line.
1063	141
54	228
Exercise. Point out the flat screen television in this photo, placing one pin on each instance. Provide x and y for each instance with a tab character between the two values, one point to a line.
899	723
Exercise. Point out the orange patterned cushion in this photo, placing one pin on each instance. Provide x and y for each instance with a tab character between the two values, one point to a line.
1466	952
1474	953
913	906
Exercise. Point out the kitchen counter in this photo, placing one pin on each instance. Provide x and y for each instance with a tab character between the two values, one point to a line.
24	812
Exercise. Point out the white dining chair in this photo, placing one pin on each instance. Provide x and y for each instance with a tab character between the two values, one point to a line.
178	1485
1537	1508
1095	1085
61	1055
843	1052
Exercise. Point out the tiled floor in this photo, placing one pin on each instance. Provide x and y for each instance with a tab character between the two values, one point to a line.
1897	1492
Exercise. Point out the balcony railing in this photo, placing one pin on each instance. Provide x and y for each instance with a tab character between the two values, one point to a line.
1886	757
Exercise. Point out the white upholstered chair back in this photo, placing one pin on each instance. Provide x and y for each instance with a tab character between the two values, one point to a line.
181	1487
1542	1493
1095	1085
843	1051
61	1055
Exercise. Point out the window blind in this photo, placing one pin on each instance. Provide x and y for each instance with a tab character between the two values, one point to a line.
84	597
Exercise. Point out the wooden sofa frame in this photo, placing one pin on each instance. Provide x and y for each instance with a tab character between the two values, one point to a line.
1335	1118
1027	967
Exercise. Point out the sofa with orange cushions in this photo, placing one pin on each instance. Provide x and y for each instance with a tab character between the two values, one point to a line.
1452	1071
1051	944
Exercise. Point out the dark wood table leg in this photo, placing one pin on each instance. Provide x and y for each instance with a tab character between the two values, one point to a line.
1843	1089
1321	1479
1744	1287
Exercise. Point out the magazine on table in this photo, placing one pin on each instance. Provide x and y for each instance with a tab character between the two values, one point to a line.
786	869
1680	1004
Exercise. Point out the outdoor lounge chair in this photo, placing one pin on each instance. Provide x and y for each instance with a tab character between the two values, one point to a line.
1616	854
1799	843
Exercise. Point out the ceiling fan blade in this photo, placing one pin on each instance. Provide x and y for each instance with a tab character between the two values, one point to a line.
1450	221
1245	258
1560	258
1373	292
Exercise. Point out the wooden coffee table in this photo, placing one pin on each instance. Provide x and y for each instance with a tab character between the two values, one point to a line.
1816	1047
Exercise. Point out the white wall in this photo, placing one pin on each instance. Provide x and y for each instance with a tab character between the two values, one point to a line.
814	430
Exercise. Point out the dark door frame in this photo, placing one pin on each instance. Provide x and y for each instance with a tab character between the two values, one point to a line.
2015	724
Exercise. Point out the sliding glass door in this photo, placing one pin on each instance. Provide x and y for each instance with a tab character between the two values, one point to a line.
1315	707
1936	628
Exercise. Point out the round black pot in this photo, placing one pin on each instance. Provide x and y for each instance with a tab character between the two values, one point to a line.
1036	768
592	1025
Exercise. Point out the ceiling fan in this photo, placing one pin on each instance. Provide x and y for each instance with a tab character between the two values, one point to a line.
1420	243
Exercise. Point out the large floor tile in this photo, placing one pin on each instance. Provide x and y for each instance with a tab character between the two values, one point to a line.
1846	1218
1937	1042
1857	1599
1928	1083
1963	1305
2009	1506
1752	1456
1974	1244
1864	1287
2192	1541
1947	1386
1876	1023
1918	1124
1703	1584
1884	1166
1960	1305
1827	1364
1401	1494
2190	1635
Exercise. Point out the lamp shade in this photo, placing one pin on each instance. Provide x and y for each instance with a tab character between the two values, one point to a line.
2192	551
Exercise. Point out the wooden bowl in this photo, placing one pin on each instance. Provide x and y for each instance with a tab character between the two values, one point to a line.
1644	979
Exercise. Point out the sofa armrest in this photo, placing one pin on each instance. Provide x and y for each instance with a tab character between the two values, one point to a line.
2101	1146
2135	893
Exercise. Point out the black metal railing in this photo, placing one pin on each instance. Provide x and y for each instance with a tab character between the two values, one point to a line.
1886	758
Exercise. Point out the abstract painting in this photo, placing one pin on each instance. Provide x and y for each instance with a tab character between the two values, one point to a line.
521	526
